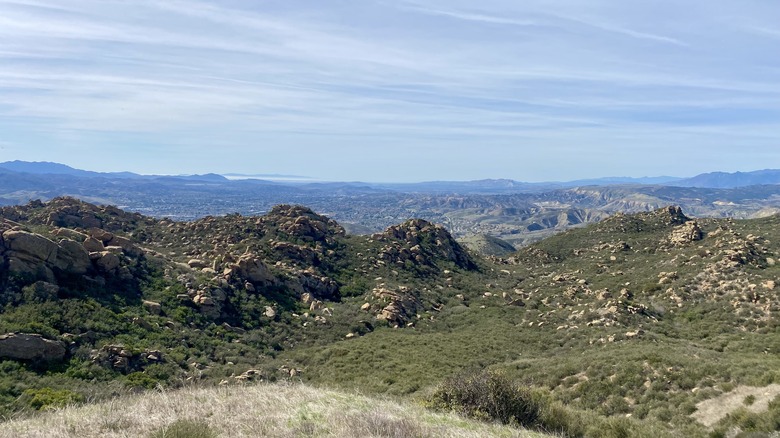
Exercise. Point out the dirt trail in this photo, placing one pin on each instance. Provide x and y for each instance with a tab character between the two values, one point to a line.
713	410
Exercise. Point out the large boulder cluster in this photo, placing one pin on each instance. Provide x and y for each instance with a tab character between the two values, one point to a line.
67	253
422	243
125	360
302	223
399	307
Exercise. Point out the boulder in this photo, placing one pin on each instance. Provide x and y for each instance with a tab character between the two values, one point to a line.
107	261
70	234
72	257
93	245
35	268
198	264
24	346
253	269
152	307
101	235
30	245
127	245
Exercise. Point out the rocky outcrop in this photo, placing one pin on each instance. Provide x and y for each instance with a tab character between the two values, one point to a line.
298	254
397	307
656	220
29	253
686	233
30	246
124	360
673	215
319	286
71	213
250	267
32	347
302	223
72	257
421	242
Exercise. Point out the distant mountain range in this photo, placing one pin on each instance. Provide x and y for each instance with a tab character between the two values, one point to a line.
715	180
723	180
49	168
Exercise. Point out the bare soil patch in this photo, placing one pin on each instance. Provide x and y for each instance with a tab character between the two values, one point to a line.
713	410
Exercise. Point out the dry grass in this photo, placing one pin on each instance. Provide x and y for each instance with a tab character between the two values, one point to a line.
267	410
713	410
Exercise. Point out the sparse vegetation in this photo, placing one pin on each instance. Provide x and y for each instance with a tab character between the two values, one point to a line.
185	428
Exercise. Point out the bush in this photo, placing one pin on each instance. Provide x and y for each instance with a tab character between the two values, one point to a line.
140	380
488	396
48	398
185	428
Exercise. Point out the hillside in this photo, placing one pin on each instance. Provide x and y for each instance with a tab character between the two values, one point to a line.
488	245
269	410
639	317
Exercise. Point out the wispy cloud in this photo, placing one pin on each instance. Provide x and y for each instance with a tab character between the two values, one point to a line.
353	80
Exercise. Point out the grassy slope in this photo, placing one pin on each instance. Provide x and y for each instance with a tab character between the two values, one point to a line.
267	410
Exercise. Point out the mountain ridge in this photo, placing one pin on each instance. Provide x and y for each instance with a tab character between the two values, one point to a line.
703	180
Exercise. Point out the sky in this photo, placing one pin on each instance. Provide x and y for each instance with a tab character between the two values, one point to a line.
393	90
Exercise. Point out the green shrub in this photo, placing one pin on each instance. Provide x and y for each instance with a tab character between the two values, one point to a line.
48	398
488	396
185	428
141	380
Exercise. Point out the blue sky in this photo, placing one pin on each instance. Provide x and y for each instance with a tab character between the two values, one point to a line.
393	90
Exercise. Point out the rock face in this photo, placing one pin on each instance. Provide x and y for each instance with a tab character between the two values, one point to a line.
23	346
107	261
